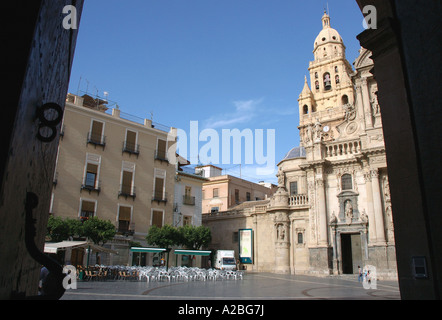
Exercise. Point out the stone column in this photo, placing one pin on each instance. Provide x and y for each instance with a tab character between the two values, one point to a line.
367	105
370	208
282	242
322	213
377	206
360	107
279	205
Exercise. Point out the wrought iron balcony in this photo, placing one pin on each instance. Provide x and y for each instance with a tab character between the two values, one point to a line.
189	200
96	139
131	148
91	186
127	191
159	196
161	155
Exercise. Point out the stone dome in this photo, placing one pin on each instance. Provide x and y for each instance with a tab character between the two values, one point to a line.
327	34
296	152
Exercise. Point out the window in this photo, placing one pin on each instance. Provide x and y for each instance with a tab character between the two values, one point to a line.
157	218
130	144
300	238
91	173
187	198
124	217
248	196
235	236
127	187
294	188
327	81
344	99
159	187
316	75
336	68
214	209
215	192
95	135
305	109
188	191
236	196
317	85
337	79
87	209
187	220
161	152
346	182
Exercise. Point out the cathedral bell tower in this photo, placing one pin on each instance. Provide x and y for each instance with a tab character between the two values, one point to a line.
331	88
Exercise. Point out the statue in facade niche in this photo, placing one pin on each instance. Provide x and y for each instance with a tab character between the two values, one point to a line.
280	232
318	131
333	218
375	104
281	179
348	210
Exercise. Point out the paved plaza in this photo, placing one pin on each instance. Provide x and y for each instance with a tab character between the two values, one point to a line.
254	286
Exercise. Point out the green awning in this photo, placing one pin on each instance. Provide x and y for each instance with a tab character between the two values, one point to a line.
152	250
193	252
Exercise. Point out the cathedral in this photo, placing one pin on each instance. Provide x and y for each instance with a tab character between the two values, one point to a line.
332	212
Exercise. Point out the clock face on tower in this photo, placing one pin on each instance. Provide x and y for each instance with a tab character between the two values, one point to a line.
326	129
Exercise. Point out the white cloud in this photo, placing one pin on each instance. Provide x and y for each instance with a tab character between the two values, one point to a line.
244	112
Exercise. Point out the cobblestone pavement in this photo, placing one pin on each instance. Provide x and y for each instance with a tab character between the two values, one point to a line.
254	286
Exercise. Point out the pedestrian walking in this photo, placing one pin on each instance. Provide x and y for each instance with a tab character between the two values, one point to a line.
359	274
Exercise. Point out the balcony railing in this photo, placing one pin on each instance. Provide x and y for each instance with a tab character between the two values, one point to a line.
343	148
161	155
91	186
159	196
126	228
96	139
189	200
298	200
131	148
127	191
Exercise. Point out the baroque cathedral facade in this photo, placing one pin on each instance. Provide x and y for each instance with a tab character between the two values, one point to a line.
332	210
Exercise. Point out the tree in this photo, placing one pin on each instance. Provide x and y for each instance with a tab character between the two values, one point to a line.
99	231
194	238
164	237
57	229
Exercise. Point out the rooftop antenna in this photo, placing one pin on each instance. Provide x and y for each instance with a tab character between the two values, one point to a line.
78	88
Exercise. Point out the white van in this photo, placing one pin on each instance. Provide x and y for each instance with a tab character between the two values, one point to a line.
225	260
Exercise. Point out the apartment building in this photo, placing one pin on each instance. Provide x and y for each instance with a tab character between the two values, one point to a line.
114	169
223	192
188	195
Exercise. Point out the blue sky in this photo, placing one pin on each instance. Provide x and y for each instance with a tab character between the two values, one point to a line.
224	63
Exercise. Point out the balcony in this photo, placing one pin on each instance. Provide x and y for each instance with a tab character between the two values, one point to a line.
127	191
298	200
96	139
131	148
190	201
91	186
161	155
125	228
343	148
159	196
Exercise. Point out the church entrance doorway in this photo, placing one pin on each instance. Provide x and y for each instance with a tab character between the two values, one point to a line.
351	252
